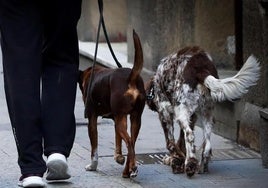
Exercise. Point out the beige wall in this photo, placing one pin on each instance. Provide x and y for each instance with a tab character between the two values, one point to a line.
166	26
114	16
214	30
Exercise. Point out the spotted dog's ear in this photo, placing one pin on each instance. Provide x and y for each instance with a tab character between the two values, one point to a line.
150	95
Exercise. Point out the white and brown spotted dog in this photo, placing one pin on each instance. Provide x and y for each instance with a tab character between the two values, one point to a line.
184	88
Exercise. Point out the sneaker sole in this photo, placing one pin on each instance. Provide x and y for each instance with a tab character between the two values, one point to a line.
57	170
32	181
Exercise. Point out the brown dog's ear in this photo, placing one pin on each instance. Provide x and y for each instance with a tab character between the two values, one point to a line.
80	74
80	80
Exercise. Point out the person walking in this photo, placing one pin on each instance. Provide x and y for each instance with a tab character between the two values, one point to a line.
40	64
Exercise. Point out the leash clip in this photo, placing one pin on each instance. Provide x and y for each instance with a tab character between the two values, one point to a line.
151	94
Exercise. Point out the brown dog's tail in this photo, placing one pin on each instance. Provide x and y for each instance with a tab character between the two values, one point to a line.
138	60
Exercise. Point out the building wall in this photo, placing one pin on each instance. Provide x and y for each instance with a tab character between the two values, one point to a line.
215	30
255	42
166	26
243	122
156	22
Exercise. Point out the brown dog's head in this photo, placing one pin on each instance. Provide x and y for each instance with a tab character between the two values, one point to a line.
84	78
83	81
150	96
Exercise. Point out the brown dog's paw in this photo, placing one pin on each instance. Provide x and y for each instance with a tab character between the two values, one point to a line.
131	173
126	174
177	165
120	159
191	167
92	166
134	172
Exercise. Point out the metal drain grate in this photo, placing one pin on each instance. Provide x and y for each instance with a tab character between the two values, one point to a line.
153	158
217	154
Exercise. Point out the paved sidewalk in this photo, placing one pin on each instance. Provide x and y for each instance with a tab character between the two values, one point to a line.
231	166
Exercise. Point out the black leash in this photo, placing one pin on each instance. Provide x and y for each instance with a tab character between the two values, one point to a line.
100	2
101	23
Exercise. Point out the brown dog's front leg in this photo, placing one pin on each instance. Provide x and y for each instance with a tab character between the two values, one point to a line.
93	136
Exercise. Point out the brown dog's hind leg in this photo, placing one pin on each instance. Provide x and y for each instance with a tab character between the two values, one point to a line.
121	129
135	120
118	157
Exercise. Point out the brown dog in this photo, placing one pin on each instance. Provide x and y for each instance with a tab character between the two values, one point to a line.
115	94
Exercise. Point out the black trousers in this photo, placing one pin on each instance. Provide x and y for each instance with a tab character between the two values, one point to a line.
40	62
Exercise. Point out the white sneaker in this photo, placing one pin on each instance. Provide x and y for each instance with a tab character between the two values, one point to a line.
57	167
31	181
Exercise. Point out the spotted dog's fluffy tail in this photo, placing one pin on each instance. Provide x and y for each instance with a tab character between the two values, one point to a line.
236	86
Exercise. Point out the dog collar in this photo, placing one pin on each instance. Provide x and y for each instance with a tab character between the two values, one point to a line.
151	95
